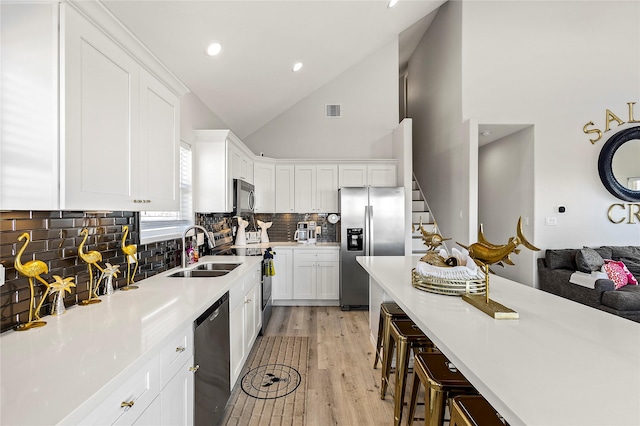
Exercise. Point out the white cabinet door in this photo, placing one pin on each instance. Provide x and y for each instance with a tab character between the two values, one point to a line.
236	337
241	165
213	186
151	416
326	188
285	188
159	151
29	173
328	279
252	317
304	276
305	189
282	281
101	132
381	174
265	185
352	175
176	399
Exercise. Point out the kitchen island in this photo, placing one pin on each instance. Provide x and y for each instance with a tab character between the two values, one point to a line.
61	372
560	363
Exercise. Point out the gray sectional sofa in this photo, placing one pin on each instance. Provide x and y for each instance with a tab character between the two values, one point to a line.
557	266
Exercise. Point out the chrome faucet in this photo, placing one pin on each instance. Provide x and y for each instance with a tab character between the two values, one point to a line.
211	243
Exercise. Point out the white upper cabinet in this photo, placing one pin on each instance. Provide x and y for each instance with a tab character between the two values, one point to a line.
159	147
382	175
285	188
265	185
216	152
316	188
241	164
372	174
29	99
121	136
352	175
326	188
118	124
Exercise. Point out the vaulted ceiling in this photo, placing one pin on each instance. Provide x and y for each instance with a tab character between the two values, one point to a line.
251	81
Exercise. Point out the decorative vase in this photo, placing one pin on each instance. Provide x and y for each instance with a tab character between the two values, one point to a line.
57	307
108	289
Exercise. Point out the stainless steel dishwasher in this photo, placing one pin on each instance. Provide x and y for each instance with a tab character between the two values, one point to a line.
211	347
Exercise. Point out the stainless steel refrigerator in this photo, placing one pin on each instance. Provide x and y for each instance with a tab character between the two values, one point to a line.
372	224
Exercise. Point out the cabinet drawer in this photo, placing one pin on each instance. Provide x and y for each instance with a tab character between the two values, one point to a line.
139	391
236	293
176	353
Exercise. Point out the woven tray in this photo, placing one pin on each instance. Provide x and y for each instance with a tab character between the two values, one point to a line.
448	287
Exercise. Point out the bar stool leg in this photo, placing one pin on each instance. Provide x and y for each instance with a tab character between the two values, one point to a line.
436	405
386	365
402	361
415	388
381	327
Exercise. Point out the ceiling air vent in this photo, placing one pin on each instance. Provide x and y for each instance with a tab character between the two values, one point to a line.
333	111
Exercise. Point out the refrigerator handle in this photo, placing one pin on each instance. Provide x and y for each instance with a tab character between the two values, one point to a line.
371	242
366	230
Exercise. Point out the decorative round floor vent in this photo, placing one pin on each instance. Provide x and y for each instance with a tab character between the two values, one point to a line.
270	381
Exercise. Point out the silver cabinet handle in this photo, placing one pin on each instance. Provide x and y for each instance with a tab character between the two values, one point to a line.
194	369
181	349
125	404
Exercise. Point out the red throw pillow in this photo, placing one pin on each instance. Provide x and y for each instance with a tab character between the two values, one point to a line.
618	273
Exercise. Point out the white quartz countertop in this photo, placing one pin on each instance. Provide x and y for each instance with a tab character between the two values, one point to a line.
58	372
560	363
291	244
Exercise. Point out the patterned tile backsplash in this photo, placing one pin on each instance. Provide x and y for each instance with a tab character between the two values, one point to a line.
55	237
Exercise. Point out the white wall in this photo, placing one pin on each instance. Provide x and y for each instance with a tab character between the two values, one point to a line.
402	151
505	193
440	138
557	65
368	93
195	115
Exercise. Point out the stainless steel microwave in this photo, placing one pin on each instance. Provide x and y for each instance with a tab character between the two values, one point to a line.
243	198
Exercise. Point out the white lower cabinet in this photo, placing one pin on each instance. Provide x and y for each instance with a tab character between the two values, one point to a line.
127	403
316	274
152	415
282	281
177	397
158	393
245	320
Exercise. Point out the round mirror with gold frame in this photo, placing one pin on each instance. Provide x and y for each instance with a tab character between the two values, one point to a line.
619	164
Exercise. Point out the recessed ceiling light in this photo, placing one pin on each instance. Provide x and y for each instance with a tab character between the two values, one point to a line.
297	66
392	3
214	49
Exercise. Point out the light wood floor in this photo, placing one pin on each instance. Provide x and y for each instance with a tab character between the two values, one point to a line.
342	386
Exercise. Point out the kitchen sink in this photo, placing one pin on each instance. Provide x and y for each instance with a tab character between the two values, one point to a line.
207	270
217	266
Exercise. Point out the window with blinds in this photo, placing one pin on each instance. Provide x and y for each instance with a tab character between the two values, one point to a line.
158	226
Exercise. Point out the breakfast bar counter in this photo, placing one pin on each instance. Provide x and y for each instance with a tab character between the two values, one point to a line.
560	363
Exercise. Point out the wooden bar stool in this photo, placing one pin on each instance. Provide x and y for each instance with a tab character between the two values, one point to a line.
474	410
441	381
404	335
388	311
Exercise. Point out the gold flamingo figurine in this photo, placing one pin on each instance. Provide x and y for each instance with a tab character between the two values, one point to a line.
91	258
130	252
32	269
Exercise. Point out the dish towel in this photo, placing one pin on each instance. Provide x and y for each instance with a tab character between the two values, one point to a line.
269	267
